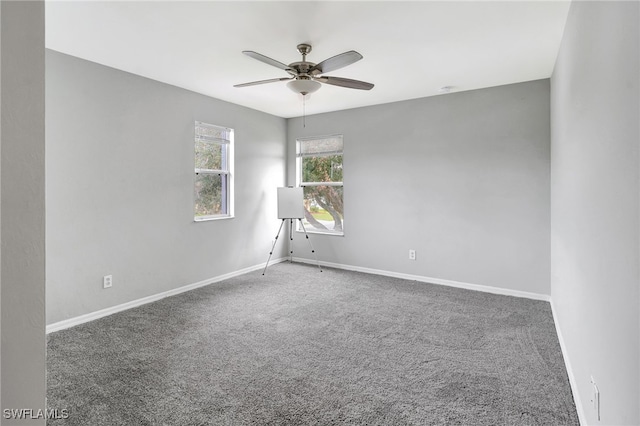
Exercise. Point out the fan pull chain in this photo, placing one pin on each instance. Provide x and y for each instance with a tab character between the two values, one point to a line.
304	122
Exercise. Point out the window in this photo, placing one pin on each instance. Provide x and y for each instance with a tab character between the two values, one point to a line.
319	172
213	183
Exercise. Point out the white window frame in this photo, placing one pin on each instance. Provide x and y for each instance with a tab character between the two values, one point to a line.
228	172
301	183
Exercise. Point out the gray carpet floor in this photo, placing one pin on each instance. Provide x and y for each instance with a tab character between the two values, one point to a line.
300	347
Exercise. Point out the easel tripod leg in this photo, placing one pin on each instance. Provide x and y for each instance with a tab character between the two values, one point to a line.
290	240
273	246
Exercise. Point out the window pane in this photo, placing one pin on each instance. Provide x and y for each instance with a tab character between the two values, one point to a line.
211	155
210	194
322	169
324	210
317	146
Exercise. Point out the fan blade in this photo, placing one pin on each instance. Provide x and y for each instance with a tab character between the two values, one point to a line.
336	62
254	83
346	82
266	60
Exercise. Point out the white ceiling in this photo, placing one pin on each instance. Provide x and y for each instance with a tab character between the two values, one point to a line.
411	49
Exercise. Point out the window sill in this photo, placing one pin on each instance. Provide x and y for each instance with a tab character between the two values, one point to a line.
210	218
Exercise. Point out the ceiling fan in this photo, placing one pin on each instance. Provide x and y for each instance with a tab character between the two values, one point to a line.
305	77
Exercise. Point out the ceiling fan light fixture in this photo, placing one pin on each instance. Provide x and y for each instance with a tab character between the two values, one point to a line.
303	87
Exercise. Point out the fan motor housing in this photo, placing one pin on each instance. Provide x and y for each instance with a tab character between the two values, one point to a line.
302	67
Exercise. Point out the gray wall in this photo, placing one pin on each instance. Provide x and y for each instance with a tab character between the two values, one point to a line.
120	187
22	224
595	204
461	178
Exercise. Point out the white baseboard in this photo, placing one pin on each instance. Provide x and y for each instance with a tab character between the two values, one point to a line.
567	364
440	281
61	325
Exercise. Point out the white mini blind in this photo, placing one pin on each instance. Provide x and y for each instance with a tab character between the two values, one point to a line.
319	147
211	133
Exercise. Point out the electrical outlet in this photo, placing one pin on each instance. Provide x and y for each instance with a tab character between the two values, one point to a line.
412	255
595	398
107	281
